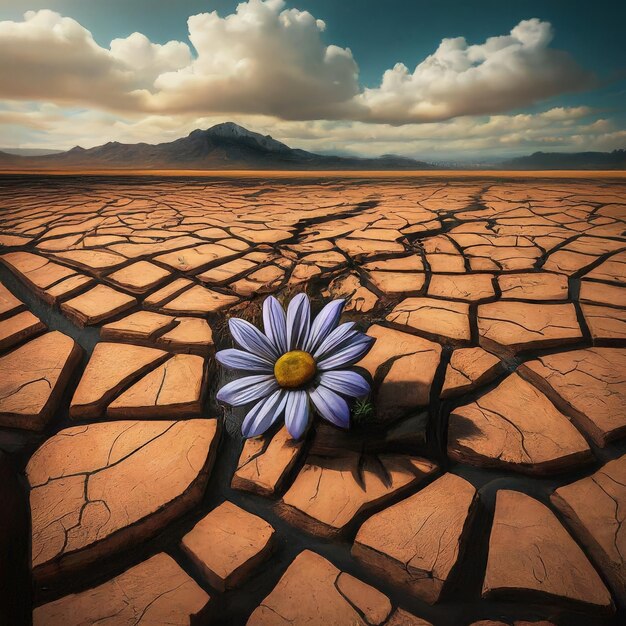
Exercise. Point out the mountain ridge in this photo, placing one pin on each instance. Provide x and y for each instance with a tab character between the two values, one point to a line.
223	146
570	160
229	146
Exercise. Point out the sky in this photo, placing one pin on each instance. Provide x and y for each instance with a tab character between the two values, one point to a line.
449	80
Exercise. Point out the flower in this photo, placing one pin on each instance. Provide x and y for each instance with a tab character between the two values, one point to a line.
295	361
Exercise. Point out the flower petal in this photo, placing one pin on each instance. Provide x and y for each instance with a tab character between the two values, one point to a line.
298	322
347	382
247	389
252	339
332	407
336	337
348	354
240	360
297	413
263	414
275	323
325	322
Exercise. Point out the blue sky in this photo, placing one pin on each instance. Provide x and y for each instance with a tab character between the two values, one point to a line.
565	60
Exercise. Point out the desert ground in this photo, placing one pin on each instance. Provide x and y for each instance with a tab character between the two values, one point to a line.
483	484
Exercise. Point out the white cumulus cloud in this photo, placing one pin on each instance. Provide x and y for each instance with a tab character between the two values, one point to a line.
148	60
47	54
501	74
268	60
54	57
262	59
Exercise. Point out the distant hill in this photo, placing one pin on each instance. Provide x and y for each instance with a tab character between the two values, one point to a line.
225	146
615	160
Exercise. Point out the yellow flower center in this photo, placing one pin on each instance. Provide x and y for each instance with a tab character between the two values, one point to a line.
294	369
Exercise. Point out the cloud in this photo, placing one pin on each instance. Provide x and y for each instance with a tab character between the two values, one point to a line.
261	59
148	60
501	74
54	57
265	59
566	113
496	136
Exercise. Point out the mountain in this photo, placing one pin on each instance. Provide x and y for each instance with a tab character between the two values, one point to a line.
615	160
221	147
229	146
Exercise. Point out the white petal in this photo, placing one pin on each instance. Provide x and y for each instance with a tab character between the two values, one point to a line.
263	414
297	413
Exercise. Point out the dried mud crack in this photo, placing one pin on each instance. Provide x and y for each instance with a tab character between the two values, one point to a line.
488	486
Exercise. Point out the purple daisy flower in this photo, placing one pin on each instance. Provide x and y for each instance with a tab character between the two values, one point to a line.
294	362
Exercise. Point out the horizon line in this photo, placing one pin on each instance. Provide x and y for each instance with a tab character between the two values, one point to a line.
214	173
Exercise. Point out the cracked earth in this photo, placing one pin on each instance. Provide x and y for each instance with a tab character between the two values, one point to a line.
487	486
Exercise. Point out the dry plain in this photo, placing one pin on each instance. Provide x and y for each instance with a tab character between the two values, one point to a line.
486	484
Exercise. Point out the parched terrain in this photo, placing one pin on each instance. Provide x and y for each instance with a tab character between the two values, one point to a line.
483	484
